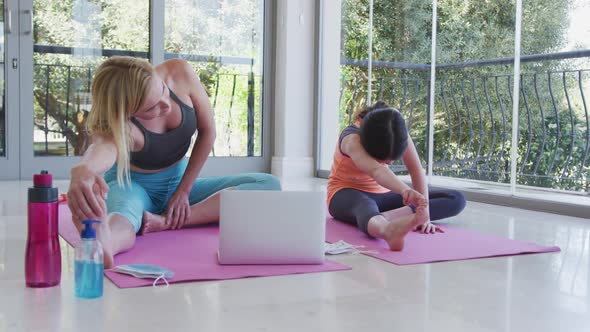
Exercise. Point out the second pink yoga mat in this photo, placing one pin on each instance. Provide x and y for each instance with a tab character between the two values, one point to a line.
190	253
454	244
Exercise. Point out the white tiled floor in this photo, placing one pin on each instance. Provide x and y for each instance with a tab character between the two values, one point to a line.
545	292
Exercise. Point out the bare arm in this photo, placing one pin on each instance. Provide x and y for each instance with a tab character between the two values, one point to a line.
178	209
414	166
100	155
205	127
88	190
383	175
412	162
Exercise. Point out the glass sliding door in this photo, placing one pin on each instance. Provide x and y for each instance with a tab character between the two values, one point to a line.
474	91
402	46
554	131
224	41
346	38
50	49
393	52
64	43
9	66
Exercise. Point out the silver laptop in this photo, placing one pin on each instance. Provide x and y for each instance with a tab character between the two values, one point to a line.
272	227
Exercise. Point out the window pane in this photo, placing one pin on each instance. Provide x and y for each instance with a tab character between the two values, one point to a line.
343	84
402	47
472	121
553	149
70	39
354	59
223	40
2	91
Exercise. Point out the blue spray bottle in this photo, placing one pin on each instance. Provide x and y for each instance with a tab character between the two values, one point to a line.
89	266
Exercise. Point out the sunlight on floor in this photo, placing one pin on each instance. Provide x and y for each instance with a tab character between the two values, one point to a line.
541	292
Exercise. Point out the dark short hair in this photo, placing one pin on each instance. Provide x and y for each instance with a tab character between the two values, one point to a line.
383	132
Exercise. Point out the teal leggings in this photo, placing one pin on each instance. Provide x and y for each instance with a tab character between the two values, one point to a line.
151	192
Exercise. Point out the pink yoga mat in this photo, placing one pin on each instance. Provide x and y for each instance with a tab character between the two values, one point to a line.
190	253
454	244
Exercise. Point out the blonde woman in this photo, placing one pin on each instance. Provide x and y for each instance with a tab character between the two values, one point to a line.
134	177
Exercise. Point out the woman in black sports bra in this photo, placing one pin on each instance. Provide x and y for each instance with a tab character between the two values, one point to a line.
134	177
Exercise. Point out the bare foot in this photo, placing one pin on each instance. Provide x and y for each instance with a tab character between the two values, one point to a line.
103	235
152	223
395	232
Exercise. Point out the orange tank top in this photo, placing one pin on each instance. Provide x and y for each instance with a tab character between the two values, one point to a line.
345	174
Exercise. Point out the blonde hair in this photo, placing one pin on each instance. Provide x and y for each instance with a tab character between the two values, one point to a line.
119	88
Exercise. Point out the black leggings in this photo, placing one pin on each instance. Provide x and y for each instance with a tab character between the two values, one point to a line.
357	207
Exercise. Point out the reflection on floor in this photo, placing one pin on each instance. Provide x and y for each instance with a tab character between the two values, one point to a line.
544	292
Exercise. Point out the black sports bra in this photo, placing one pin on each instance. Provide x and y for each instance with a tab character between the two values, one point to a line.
163	150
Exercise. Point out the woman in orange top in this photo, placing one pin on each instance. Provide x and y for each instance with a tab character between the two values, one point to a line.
364	191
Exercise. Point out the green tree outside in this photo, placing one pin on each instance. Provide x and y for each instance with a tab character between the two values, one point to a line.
472	115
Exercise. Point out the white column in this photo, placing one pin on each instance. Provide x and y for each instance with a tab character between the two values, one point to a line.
432	92
157	10
329	98
516	94
294	89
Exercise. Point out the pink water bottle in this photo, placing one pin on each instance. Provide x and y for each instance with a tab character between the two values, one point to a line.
43	256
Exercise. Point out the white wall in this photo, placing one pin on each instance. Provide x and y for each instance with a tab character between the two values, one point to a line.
294	89
329	80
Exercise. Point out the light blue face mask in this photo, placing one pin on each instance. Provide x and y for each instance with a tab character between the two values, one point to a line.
145	271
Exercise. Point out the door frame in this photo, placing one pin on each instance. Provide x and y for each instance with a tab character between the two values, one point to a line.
58	166
9	163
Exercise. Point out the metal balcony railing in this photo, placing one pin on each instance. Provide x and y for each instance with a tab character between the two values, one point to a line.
62	93
473	116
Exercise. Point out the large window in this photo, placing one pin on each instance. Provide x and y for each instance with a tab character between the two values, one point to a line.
400	74
473	105
55	46
392	54
2	77
553	147
390	42
223	40
70	39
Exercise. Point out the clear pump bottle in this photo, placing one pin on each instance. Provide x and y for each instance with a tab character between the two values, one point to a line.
89	266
